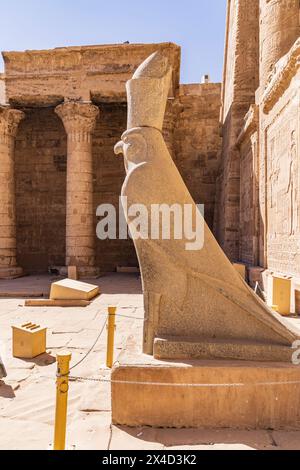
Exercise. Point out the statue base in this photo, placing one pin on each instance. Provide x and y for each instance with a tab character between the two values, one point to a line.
177	348
218	394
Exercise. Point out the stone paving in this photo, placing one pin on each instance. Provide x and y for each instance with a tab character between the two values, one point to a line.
27	395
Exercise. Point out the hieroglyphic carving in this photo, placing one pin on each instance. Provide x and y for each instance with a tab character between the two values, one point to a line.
283	188
292	185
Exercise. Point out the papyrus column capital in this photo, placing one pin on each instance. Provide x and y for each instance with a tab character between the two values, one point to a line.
79	118
9	121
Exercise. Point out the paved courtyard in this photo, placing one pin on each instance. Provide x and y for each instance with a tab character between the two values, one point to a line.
27	395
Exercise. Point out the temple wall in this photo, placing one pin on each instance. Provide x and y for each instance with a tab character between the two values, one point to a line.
109	174
40	169
282	151
239	86
229	64
191	131
280	27
38	81
259	33
41	188
246	204
2	89
261	144
249	213
198	142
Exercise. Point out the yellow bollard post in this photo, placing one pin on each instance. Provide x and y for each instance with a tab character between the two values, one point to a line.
111	336
62	388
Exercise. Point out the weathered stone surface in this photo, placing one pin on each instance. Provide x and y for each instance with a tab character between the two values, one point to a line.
209	302
40	173
9	121
239	85
248	180
264	138
78	73
280	28
37	81
197	143
279	154
80	121
218	401
2	89
249	219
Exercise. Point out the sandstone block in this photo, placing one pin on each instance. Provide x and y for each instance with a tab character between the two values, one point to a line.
69	289
279	294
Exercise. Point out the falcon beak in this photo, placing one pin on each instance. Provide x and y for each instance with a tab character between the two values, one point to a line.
119	148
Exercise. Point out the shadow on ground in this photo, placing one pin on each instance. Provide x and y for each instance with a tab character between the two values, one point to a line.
6	391
43	360
39	285
193	438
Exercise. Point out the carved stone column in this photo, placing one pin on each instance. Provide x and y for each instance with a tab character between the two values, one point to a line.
239	87
9	121
79	120
280	27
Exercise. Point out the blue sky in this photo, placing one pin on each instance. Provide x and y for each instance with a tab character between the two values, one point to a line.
198	26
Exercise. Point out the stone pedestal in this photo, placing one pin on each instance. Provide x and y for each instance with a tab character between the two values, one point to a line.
205	394
79	120
9	121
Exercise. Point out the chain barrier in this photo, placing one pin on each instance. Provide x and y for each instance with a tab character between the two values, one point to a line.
128	316
63	377
189	385
159	384
132	318
92	347
99	336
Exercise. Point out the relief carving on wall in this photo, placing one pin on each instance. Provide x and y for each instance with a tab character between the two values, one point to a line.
293	186
283	190
283	187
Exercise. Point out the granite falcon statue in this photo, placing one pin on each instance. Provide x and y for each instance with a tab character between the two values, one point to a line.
196	304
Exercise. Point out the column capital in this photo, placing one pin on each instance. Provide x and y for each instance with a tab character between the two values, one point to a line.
9	121
78	117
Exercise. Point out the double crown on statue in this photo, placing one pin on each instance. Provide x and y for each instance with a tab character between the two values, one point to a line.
147	92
